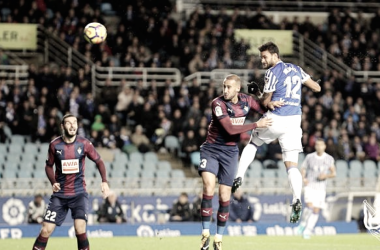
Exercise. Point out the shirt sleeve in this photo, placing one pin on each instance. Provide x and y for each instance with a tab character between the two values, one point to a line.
255	105
219	109
304	76
50	156
270	81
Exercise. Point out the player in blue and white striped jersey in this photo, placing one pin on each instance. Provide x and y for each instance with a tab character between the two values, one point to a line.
283	82
316	168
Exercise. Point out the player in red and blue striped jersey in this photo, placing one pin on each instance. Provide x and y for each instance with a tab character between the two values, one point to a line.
68	153
219	154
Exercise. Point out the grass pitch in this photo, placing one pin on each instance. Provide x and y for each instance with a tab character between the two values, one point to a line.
338	242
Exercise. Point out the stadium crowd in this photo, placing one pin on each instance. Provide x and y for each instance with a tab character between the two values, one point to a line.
152	34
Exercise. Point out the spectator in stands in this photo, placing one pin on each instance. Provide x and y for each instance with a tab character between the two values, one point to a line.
98	125
181	210
196	207
189	145
274	152
140	140
108	140
123	141
36	210
241	209
372	149
111	210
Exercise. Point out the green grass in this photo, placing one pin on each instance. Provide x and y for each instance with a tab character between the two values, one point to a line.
343	242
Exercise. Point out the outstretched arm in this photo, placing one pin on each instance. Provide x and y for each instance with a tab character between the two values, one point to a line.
313	85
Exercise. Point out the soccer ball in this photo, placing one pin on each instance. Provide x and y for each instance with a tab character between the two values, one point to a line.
95	33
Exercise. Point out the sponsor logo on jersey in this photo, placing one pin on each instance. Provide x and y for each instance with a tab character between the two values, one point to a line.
59	151
246	108
70	166
79	150
237	121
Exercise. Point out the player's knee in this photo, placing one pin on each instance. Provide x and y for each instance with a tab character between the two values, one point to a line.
46	230
208	189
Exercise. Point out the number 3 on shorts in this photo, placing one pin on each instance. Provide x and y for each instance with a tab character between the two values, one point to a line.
50	216
203	163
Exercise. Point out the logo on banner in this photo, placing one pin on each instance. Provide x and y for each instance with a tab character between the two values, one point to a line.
145	231
371	220
13	211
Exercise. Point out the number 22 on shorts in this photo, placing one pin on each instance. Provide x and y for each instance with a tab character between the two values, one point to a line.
50	216
203	163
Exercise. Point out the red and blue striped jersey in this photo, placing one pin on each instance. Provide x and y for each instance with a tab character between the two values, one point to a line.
237	113
69	161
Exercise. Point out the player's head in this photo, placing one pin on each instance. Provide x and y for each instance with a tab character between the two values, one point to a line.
231	87
269	54
69	125
320	146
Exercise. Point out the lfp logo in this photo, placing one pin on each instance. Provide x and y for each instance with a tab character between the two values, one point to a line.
371	220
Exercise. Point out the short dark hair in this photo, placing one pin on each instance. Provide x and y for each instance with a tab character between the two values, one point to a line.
66	116
271	47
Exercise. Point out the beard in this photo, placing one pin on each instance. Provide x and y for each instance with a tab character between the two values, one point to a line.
67	134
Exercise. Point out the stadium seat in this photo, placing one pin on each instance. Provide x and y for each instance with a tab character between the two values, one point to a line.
28	157
171	143
269	164
301	158
356	168
134	165
117	173
254	173
41	158
341	168
18	139
24	173
369	168
177	173
4	13
136	157
150	157
256	164
15	149
177	182
26	166
9	173
108	165
118	165
133	173
195	158
106	8
281	172
30	148
149	165
3	147
13	157
39	173
269	173
164	165
148	174
43	148
162	173
120	158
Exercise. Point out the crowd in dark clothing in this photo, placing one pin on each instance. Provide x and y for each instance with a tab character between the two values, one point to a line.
153	34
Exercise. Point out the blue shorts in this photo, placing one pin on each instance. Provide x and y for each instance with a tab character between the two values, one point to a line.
58	207
220	160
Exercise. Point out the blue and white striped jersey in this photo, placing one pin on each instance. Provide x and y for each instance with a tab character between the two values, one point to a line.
316	165
285	81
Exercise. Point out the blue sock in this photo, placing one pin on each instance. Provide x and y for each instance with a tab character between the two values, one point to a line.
223	213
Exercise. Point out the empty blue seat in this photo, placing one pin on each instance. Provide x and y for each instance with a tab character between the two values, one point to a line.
171	143
136	157
164	165
150	157
177	173
195	158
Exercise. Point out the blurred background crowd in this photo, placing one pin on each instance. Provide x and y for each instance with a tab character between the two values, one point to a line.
154	34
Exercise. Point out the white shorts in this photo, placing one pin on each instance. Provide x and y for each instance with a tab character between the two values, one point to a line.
316	197
287	129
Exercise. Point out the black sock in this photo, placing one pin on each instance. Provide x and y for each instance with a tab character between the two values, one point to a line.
83	243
